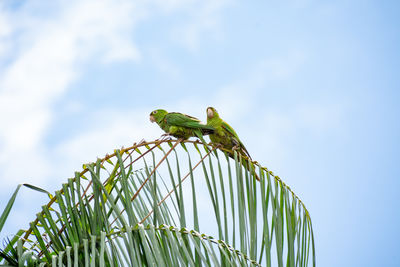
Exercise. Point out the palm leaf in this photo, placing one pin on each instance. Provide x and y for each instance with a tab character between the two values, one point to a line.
138	207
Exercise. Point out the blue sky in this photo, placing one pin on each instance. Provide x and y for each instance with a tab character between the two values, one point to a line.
311	87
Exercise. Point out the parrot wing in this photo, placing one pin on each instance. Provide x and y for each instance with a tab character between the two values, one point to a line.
234	137
183	120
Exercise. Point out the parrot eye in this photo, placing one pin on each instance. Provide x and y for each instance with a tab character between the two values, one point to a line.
155	111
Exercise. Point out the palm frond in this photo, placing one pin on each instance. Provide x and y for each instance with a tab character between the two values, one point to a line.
134	208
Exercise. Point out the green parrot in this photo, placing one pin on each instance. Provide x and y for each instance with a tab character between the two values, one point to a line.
180	125
226	136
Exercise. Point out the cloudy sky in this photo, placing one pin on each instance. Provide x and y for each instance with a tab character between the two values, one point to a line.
311	87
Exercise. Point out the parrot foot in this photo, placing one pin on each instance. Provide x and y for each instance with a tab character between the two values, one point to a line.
236	147
165	137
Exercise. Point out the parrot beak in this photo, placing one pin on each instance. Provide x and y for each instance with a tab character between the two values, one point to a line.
210	113
152	119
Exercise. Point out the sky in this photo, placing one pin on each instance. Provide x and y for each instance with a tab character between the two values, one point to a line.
311	87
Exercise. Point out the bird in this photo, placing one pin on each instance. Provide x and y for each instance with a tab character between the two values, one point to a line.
226	136
180	125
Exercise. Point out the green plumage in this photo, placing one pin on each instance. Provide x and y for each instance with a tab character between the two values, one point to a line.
180	125
226	136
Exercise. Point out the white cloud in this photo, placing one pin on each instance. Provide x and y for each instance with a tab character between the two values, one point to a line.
46	54
109	130
44	48
204	20
237	98
5	30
